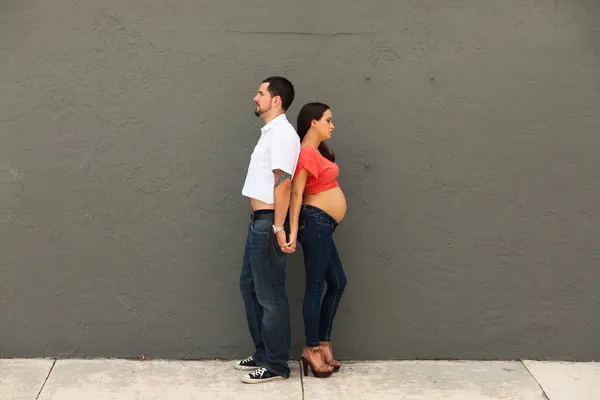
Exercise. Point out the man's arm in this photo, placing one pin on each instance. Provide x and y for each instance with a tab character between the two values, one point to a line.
281	194
283	155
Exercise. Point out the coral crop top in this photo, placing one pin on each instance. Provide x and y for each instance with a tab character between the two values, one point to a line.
324	173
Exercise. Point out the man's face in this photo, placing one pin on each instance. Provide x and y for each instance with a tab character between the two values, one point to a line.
263	100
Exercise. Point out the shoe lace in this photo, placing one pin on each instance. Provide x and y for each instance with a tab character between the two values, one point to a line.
247	360
258	373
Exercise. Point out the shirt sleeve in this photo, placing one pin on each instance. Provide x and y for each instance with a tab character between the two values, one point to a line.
284	153
308	161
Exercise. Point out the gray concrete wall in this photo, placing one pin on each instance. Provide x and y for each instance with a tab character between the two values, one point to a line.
467	136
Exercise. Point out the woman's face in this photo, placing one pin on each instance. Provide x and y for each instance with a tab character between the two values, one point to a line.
324	126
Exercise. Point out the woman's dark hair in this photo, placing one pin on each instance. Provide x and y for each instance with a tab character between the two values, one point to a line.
308	113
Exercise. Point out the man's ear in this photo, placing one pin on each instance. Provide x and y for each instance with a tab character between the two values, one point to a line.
276	101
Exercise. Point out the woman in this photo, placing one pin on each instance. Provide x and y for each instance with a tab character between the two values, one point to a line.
317	207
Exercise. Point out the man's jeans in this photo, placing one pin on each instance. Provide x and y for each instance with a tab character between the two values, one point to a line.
262	283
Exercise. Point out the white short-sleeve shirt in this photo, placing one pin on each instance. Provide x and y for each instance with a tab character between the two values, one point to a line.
277	148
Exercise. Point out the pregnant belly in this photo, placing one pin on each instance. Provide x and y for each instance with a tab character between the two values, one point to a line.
332	201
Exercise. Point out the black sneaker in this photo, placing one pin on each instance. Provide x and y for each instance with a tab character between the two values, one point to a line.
246	365
261	375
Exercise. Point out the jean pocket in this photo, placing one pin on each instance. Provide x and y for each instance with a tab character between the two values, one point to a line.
324	222
260	227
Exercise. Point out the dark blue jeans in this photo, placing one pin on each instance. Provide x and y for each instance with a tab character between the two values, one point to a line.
322	264
262	283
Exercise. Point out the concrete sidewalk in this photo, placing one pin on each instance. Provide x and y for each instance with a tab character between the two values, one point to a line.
47	379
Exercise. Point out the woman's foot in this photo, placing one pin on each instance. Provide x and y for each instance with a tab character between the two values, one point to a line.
328	356
313	357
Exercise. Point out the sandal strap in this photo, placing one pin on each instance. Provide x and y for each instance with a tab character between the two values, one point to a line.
332	362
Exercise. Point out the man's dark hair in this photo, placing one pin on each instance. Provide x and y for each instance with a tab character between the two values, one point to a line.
279	86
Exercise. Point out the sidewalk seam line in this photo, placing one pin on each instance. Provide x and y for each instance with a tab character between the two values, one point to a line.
536	381
46	380
301	379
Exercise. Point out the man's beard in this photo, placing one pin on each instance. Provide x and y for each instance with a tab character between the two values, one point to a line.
258	111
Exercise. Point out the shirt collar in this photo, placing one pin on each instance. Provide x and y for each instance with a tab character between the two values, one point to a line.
273	122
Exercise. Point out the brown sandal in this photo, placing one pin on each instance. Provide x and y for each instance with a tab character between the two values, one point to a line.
331	362
322	371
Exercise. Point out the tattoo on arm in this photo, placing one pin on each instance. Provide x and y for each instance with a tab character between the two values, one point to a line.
281	176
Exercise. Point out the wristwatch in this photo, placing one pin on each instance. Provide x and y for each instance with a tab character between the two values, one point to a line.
277	228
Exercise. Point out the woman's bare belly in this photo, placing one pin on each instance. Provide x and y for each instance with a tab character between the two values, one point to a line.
332	201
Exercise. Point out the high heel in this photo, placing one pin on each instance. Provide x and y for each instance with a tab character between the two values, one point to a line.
322	371
331	362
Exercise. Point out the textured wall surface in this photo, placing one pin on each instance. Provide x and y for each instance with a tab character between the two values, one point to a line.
467	137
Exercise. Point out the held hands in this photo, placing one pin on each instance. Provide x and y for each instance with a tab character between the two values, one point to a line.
290	246
281	241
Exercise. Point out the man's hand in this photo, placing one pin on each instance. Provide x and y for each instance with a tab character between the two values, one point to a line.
290	246
281	241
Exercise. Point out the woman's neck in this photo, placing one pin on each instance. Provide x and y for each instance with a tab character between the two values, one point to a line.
311	140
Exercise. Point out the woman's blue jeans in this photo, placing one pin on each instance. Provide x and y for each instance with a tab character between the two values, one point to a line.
322	264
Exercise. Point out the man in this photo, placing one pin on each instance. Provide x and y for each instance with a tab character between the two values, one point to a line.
262	280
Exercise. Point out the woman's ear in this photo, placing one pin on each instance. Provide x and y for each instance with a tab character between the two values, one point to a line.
313	123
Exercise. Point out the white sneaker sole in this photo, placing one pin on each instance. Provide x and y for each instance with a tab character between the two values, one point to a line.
242	368
247	379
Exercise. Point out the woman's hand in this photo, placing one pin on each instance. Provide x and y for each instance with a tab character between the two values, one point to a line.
281	240
290	246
